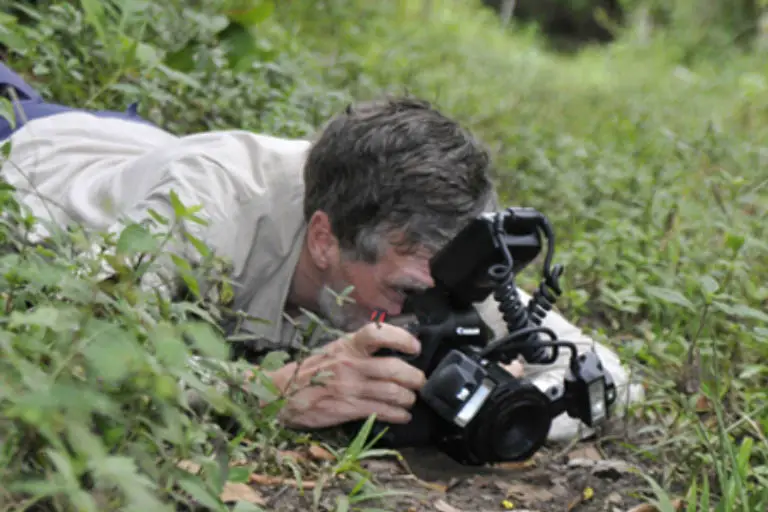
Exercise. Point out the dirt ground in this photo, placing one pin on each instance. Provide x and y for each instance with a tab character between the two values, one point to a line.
577	478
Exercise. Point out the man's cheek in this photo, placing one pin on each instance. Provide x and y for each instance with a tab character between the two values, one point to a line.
392	307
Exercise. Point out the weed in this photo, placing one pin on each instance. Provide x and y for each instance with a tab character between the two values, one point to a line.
648	155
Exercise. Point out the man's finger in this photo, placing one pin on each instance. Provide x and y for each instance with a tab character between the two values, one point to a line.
374	337
384	411
388	392
516	368
391	369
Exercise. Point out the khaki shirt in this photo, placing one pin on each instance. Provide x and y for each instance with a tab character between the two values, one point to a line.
77	168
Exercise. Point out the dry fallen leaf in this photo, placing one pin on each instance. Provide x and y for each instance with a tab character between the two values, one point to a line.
443	506
703	404
429	485
278	480
317	452
588	452
188	465
292	454
647	507
234	492
527	464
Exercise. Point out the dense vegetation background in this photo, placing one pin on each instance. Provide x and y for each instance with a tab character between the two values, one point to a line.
648	153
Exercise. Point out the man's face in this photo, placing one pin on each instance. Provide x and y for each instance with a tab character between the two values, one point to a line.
381	285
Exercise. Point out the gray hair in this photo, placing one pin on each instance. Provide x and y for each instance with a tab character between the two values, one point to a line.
395	170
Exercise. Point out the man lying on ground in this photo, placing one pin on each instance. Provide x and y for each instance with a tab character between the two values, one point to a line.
365	204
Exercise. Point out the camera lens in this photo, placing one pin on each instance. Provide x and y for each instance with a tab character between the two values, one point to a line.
511	426
520	429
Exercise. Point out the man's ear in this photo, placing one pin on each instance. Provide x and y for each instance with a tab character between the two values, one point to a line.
322	244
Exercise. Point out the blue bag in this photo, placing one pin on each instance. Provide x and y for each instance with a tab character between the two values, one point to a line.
31	105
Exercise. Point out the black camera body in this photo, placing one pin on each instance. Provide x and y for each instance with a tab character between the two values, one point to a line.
471	407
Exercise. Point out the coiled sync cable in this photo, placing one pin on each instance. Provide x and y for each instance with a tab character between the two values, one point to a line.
519	318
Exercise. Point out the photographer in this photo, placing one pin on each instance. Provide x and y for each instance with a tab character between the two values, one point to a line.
365	204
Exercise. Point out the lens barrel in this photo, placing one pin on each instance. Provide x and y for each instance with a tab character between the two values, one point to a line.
511	426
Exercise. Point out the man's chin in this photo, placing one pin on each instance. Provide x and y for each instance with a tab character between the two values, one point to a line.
346	318
345	323
342	321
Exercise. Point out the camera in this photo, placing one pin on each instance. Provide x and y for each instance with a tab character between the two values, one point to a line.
471	408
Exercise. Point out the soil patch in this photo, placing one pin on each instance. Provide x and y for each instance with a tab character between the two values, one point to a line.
580	479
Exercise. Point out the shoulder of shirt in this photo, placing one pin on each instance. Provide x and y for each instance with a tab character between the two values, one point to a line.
256	160
66	123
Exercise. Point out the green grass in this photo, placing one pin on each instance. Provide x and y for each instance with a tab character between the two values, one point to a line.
652	172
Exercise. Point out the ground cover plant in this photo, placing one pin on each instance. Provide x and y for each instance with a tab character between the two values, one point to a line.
647	154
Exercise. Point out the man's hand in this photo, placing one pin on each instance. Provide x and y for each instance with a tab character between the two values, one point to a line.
516	368
352	384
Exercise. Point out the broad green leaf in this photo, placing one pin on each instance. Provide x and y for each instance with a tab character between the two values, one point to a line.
274	360
734	241
198	244
342	503
239	43
44	316
157	217
10	35
169	347
94	14
86	442
113	353
246	506
753	370
210	343
194	486
251	12
239	474
180	77
744	311
663	502
192	284
180	262
74	400
708	284
7	112
147	55
670	296
179	208
135	239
